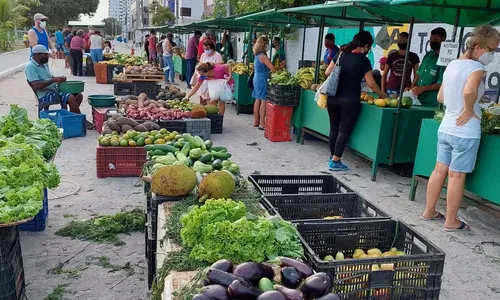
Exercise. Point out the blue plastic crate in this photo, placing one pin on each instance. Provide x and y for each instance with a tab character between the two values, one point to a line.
73	124
39	222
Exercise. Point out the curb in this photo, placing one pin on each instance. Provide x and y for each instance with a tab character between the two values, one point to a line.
12	71
15	51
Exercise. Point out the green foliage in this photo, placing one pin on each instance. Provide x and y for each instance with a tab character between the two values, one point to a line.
161	15
57	293
112	25
60	12
247	6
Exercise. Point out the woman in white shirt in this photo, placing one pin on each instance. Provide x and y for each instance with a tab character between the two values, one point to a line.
209	56
96	46
460	131
168	59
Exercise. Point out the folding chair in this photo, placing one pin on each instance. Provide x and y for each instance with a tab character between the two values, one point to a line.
46	105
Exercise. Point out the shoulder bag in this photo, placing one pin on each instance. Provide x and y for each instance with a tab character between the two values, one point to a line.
333	80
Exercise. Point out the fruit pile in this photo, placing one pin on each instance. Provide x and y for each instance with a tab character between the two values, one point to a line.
142	108
371	253
305	76
170	93
134	138
406	102
241	68
283	77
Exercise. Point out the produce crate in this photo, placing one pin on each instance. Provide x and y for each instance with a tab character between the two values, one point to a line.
12	285
73	124
8	238
416	275
99	115
123	88
110	71
244	109
145	77
298	184
120	161
216	123
200	127
150	88
349	206
173	125
89	67
39	222
101	73
287	95
278	121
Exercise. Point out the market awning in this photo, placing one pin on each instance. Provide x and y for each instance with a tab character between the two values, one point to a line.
271	16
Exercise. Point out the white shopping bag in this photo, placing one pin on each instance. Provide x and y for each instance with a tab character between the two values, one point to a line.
227	94
216	88
413	97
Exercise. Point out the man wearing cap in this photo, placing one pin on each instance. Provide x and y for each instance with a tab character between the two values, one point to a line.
39	76
209	35
38	35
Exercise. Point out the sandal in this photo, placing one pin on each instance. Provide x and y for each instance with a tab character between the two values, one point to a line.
438	216
463	227
255	125
261	128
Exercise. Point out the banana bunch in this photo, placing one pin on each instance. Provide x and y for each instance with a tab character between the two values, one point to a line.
240	68
305	76
280	77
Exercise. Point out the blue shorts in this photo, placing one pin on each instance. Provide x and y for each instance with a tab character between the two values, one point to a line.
457	153
96	55
52	97
60	47
66	51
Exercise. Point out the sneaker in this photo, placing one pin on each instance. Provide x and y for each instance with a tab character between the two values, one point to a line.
336	165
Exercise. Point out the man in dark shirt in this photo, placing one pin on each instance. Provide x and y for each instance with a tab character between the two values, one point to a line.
331	48
395	64
146	46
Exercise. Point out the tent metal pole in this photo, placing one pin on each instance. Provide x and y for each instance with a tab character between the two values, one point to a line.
361	25
271	40
406	69
455	27
318	52
303	46
460	41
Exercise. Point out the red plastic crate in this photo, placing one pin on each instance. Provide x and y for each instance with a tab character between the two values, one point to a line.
101	73
120	161
99	116
278	120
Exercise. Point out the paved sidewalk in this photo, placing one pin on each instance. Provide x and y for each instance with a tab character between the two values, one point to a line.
13	61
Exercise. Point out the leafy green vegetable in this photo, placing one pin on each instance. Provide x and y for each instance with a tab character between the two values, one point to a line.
15	122
287	242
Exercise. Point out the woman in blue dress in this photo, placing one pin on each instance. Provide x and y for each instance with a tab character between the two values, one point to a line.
262	66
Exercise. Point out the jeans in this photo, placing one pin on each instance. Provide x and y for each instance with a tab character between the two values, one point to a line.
76	62
190	65
343	113
96	55
169	62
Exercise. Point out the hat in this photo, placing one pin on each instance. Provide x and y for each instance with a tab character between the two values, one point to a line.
39	16
383	60
210	32
39	49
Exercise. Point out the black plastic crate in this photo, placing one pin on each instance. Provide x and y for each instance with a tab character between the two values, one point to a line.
150	88
12	285
415	275
298	184
348	206
89	67
8	238
173	125
216	123
286	95
110	72
200	127
245	109
123	88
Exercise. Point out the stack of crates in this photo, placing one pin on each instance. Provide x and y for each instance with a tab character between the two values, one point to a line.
278	122
12	286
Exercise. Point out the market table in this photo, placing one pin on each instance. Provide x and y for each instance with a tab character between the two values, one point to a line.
242	94
372	136
487	164
180	66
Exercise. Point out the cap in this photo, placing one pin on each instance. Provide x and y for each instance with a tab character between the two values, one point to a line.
39	16
39	49
383	60
210	32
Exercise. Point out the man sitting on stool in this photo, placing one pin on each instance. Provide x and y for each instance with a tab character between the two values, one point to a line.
38	74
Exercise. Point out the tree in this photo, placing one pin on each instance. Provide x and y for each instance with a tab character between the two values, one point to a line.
60	12
247	6
12	14
112	26
161	15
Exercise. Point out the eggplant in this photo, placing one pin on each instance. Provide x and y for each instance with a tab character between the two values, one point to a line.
329	297
252	272
303	269
216	276
223	265
272	295
290	277
216	292
202	297
317	286
290	294
243	290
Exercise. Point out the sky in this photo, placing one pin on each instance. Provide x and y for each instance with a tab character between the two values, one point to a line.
102	13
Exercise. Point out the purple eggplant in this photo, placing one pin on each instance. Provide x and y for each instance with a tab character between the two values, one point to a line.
216	292
252	272
272	295
316	286
243	290
202	297
303	269
223	265
216	276
290	294
290	277
329	297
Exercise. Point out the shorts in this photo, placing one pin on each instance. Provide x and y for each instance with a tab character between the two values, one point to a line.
52	97
60	47
152	55
66	51
458	153
96	55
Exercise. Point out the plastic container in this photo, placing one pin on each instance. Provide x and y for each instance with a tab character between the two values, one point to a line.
173	125
348	206
123	88
8	238
245	109
200	127
102	100
99	115
72	87
298	184
101	73
278	122
216	123
286	95
73	124
12	285
110	71
120	161
415	275
149	88
89	67
39	222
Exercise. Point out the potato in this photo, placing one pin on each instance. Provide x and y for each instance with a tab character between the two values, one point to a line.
151	125
126	128
126	121
141	128
114	126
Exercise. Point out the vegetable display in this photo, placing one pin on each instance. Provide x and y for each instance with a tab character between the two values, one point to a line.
144	109
306	76
283	77
241	68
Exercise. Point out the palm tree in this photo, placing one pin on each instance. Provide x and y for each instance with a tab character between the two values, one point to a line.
12	14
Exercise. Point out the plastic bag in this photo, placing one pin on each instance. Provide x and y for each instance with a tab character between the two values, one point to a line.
412	96
194	79
216	88
383	39
321	98
227	94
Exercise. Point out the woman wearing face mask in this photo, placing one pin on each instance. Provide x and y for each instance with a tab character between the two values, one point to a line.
209	56
38	35
261	73
460	131
344	107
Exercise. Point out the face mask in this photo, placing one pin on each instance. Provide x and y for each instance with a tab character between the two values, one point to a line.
435	45
208	51
402	46
487	58
44	60
43	24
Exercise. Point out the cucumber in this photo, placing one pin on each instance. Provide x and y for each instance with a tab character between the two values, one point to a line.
186	148
201	142
217	164
221	155
219	149
158	153
205	158
192	140
189	162
209	144
161	147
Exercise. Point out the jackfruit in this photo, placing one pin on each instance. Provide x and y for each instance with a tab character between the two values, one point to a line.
173	181
216	185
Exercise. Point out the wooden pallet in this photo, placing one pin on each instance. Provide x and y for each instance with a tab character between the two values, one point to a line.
144	77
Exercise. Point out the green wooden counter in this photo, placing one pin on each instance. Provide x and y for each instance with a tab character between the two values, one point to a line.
372	136
480	182
180	66
242	94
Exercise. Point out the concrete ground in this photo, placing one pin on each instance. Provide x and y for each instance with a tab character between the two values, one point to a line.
472	258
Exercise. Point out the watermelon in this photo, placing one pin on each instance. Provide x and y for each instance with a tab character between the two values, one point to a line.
406	102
